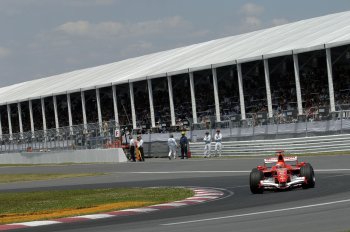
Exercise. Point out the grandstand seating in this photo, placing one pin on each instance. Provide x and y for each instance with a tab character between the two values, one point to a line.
212	63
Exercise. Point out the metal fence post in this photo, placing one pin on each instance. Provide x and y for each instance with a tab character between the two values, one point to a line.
341	122
277	129
253	120
149	144
306	127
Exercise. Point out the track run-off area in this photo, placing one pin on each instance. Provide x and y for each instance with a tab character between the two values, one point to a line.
323	208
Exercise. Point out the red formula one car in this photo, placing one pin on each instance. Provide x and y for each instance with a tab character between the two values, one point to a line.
281	173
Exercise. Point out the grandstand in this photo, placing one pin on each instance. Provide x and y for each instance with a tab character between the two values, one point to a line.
293	73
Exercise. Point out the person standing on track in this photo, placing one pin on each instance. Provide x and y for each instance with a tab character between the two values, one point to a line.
140	147
172	146
183	145
218	140
207	146
132	149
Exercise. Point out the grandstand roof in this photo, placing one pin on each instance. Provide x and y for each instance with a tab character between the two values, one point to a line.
306	35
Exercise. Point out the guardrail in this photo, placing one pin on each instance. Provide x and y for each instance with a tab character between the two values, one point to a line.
315	144
245	139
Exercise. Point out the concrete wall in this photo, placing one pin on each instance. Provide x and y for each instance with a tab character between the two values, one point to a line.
79	156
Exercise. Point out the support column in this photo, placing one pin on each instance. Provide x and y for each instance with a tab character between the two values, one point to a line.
70	119
241	92
115	105
57	124
83	107
44	114
31	117
98	100
297	83
151	105
330	79
171	101
19	109
193	99
268	88
132	102
216	95
9	120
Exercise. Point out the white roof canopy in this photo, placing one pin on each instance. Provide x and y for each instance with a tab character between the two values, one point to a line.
306	35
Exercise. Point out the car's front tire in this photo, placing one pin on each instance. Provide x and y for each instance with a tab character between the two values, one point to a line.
255	177
307	171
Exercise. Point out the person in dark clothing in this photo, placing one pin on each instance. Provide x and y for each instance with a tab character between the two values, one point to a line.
183	145
132	149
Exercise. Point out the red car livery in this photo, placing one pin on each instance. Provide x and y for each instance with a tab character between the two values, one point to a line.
281	172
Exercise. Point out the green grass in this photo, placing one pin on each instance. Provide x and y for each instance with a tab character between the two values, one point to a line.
8	178
39	205
31	202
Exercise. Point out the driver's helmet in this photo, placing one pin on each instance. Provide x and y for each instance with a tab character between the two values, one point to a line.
280	164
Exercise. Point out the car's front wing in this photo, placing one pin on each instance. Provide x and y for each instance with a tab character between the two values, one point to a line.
271	184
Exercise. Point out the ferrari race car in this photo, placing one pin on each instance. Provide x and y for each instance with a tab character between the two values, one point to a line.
281	172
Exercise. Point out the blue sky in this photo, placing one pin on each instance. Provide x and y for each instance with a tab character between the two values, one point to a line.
41	38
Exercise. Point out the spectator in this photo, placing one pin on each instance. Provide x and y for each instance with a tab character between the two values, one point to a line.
140	147
132	149
207	144
184	145
218	141
172	146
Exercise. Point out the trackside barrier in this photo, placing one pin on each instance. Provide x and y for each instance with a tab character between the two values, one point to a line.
249	136
115	155
315	144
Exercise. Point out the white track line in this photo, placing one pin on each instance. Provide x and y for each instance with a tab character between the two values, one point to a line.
210	194
180	172
95	216
174	204
336	176
139	210
181	201
332	170
240	186
37	223
257	213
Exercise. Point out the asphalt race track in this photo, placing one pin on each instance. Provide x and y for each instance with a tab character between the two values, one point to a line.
324	208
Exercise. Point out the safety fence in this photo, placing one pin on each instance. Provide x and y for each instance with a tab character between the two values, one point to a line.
90	136
316	144
111	135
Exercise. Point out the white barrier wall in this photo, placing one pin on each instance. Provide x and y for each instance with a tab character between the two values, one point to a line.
116	155
314	144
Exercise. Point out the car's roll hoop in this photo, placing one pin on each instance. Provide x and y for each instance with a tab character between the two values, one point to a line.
280	158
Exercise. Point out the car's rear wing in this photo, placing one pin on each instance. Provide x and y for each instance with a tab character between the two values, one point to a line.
275	159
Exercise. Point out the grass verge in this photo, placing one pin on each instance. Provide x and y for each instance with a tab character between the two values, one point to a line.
8	178
41	205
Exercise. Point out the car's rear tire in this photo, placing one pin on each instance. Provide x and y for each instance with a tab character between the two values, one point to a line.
255	177
308	172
